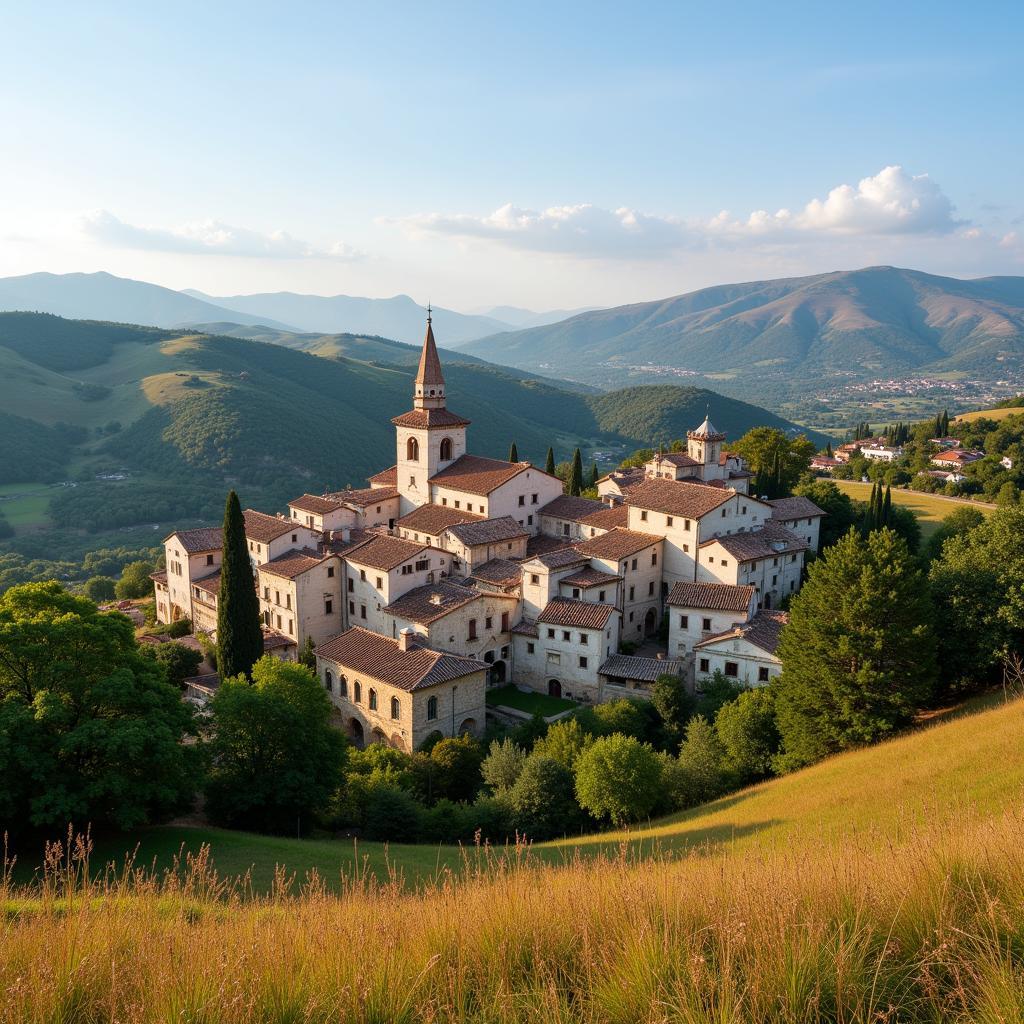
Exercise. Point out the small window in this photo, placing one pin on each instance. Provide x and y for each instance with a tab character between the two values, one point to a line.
684	621
583	661
534	578
732	669
329	681
706	625
576	593
632	592
529	520
209	559
530	648
362	575
654	558
704	664
357	692
328	606
295	538
584	639
522	499
343	686
643	515
504	622
488	622
551	634
432	709
472	629
600	595
362	611
373	699
351	584
396	708
380	583
668	520
650	588
762	674
533	501
330	572
686	524
566	635
446	449
351	607
633	565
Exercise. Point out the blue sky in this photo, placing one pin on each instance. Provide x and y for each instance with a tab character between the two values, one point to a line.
542	155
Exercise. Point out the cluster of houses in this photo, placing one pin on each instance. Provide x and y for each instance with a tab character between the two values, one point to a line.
451	573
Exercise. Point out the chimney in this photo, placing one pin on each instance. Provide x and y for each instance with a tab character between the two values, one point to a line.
406	638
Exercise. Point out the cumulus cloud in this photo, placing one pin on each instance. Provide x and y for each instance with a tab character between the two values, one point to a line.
208	237
891	202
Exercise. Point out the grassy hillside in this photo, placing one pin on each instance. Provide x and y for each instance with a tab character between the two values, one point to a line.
930	509
864	323
972	761
887	885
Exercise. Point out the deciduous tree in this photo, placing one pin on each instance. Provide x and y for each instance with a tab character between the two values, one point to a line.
617	779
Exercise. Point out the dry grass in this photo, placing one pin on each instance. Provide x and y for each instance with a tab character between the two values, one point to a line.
872	923
991	414
930	509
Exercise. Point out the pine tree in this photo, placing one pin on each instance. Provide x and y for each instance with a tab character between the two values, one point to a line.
858	652
513	453
549	465
592	482
574	485
239	637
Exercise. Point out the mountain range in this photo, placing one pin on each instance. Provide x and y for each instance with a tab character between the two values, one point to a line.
862	323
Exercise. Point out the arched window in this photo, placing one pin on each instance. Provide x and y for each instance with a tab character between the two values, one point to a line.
343	686
446	449
396	708
358	692
432	709
373	699
329	681
412	450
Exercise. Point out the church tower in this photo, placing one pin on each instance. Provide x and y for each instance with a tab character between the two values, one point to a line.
429	438
704	445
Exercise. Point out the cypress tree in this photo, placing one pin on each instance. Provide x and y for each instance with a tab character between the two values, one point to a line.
887	506
592	483
870	521
549	465
513	453
945	423
239	637
574	485
937	429
828	450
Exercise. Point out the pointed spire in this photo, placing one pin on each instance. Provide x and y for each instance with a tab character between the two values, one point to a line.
429	371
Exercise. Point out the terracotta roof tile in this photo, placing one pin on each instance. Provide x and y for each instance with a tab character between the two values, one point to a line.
205	538
317	504
721	597
589	577
292	563
425	418
500	571
478	475
607	518
542	544
770	540
677	497
678	459
364	496
359	650
382	552
565	506
796	507
259	526
434	519
433	601
618	543
488	531
560	558
763	630
564	611
640	670
525	628
385	478
209	584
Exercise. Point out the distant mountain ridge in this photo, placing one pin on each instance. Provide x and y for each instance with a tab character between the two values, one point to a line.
398	317
869	322
102	296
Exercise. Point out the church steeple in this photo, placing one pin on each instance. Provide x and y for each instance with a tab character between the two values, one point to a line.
428	392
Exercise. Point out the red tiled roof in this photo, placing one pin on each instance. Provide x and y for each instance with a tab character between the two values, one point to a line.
771	539
259	526
677	497
210	584
426	418
559	558
796	507
434	519
573	509
640	670
364	496
272	640
488	531
159	577
317	504
434	601
763	631
607	518
720	597
385	478
500	571
589	577
478	475
618	543
382	552
204	538
359	650
291	564
678	459
542	544
565	611
525	628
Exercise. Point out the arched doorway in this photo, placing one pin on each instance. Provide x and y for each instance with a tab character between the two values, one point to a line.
355	732
498	673
650	622
468	726
378	736
554	688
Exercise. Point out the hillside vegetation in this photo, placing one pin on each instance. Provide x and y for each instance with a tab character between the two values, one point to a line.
863	323
886	884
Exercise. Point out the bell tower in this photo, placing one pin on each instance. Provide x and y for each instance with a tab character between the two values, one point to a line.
704	445
429	438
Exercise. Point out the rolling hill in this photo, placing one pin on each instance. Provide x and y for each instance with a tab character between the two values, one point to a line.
857	324
103	296
188	415
396	317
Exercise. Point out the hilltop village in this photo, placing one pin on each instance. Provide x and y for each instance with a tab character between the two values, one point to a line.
451	573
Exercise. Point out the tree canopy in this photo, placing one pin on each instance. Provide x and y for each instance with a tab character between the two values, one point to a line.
777	460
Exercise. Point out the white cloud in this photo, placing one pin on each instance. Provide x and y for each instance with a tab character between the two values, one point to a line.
891	202
209	237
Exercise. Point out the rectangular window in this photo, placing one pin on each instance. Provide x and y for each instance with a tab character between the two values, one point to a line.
565	529
330	572
351	607
643	515
762	674
277	597
668	520
732	669
583	661
488	622
422	564
279	622
529	520
686	524
362	611
534	578
650	588
632	591
522	499
472	629
362	575
287	600
704	664
530	648
458	504
584	639
600	596
209	559
551	634
633	565
504	622
686	548
295	538
328	606
706	625
266	593
684	621
351	584
444	501
380	583
576	593
566	635
533	501
654	558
